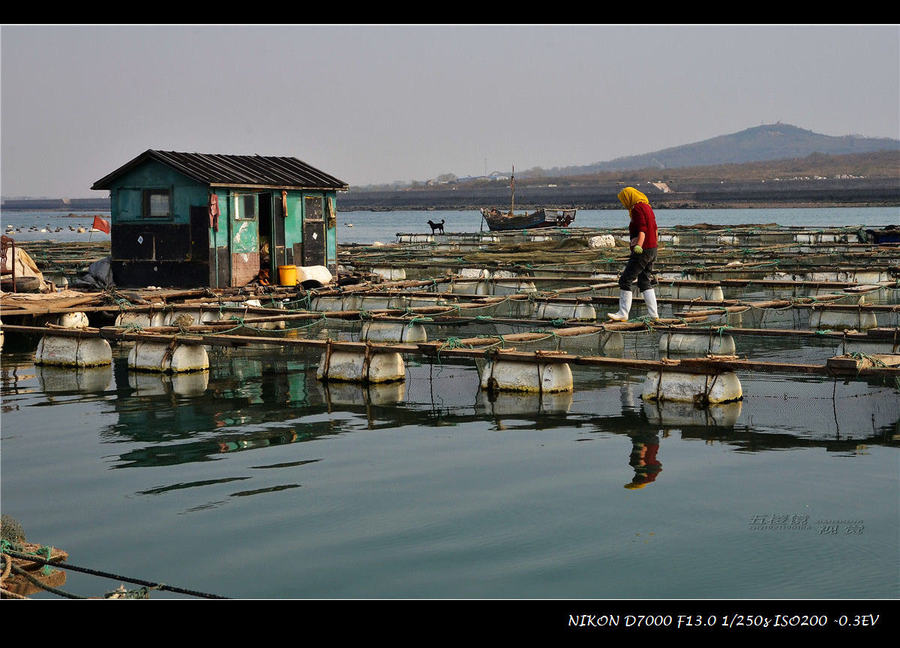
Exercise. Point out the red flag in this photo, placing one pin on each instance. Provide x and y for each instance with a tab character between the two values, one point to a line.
101	224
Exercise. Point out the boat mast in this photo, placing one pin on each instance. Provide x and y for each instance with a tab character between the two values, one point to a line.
512	186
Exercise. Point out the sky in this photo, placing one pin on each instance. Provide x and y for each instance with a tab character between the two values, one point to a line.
375	104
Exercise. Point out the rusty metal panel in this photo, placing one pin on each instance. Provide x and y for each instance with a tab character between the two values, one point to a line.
244	267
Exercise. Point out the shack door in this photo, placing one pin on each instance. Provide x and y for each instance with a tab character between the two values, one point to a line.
200	234
313	231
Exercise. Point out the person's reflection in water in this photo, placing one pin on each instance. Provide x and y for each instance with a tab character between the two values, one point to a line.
643	459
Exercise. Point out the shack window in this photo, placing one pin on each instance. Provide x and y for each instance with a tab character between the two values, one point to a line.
313	207
157	203
245	206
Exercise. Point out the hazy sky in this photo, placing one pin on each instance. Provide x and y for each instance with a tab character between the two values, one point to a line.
373	104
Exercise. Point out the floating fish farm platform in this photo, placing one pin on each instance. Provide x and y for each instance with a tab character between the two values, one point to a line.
527	309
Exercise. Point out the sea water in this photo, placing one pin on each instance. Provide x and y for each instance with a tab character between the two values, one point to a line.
255	480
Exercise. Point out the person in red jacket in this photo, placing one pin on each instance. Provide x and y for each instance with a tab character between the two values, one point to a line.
642	230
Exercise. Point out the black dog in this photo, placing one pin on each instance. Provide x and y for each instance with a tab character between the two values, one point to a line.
437	227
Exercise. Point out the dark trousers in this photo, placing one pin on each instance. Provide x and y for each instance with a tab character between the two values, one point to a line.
640	267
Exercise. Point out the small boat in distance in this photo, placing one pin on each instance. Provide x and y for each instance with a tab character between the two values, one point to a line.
499	221
543	217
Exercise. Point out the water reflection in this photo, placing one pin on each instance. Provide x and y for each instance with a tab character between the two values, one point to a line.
643	458
257	398
72	380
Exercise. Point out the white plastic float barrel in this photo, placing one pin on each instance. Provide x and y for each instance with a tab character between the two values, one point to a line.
73	320
844	319
73	351
353	366
141	320
696	343
580	312
692	388
507	375
390	274
164	357
393	332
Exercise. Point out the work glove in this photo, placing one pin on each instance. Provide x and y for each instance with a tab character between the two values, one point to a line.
638	249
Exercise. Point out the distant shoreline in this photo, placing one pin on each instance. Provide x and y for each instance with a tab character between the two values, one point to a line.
706	195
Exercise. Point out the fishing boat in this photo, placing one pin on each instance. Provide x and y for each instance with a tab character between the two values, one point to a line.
543	217
499	221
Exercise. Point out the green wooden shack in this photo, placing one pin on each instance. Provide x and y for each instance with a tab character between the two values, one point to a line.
195	219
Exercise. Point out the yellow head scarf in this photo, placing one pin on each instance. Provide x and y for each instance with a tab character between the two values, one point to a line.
629	197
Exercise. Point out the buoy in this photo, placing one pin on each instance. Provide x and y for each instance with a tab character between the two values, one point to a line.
73	351
840	320
700	389
393	332
73	320
707	293
696	343
353	366
390	274
141	320
166	357
579	312
507	375
197	317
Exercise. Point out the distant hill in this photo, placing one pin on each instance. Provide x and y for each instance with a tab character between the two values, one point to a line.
758	144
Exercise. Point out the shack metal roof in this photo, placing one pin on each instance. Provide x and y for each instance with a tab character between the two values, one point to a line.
235	171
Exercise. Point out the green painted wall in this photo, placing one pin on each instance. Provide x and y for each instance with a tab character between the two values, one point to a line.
127	195
240	235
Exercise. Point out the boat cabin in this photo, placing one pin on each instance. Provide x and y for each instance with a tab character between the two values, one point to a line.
195	219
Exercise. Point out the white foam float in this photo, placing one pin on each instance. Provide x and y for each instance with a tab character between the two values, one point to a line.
198	317
696	343
73	320
871	348
390	274
692	388
602	241
353	366
579	312
317	273
140	320
164	357
845	319
707	293
393	332
541	377
73	351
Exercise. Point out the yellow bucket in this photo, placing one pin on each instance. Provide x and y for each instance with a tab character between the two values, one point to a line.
287	275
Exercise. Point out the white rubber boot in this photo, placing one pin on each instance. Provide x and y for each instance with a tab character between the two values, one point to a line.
650	300
624	307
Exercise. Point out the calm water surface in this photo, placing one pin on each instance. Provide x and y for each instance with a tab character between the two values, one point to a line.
255	481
